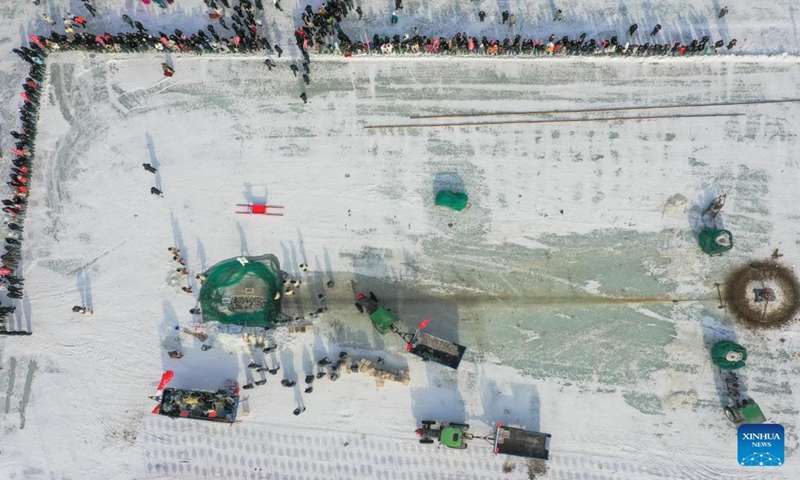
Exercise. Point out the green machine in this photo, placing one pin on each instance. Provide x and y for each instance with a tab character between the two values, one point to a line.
714	240
729	356
506	440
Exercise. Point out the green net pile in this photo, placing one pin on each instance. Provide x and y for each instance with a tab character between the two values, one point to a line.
450	199
728	355
715	242
243	294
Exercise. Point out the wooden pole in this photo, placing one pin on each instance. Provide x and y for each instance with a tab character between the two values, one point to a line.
557	120
610	109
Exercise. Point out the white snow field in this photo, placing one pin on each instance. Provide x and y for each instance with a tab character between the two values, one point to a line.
574	277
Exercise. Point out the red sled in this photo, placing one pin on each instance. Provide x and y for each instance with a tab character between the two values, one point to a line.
258	209
214	16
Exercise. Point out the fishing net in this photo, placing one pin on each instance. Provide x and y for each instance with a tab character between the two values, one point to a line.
450	199
241	291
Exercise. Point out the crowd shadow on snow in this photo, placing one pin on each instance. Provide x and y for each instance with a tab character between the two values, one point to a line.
197	370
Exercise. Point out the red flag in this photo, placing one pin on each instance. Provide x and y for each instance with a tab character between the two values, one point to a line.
165	379
424	324
409	347
155	410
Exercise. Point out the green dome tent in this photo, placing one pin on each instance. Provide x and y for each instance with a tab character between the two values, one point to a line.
241	291
715	242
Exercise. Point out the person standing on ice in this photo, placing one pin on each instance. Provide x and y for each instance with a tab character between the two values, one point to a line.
156	191
48	19
140	27
633	29
558	16
505	16
481	15
359	12
277	4
149	168
278	50
656	29
304	98
723	12
299	410
269	63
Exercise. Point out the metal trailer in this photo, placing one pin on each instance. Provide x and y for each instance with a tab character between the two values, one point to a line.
521	443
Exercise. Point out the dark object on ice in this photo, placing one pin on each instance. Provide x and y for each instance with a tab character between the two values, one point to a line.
309	379
324	362
149	168
320	375
308	390
299	410
254	365
261	382
723	12
269	349
156	191
175	354
287	383
342	355
248	386
331	284
274	371
206	347
195	311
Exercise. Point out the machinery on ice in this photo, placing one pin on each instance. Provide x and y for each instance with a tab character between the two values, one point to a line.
422	344
506	440
729	356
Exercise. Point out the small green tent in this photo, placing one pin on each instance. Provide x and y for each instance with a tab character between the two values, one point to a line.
715	242
450	199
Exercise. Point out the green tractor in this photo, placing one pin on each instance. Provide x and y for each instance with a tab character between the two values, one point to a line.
729	356
451	435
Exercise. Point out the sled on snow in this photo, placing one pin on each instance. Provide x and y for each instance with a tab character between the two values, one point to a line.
257	209
429	348
220	406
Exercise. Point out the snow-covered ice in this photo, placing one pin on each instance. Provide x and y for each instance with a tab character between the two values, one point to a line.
560	277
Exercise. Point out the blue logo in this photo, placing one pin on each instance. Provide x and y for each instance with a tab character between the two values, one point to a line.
761	445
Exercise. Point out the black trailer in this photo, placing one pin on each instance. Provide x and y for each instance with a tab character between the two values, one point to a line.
436	349
521	443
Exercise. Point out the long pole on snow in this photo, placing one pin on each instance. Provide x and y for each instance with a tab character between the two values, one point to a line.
557	120
610	109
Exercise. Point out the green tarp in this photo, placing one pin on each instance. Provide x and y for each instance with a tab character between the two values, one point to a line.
715	242
450	199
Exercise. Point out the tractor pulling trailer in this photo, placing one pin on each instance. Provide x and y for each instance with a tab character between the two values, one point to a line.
506	440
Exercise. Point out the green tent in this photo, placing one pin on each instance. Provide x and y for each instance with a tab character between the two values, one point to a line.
450	199
715	242
241	291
